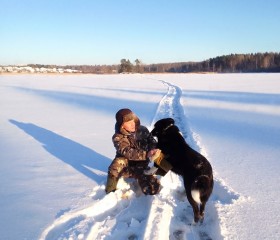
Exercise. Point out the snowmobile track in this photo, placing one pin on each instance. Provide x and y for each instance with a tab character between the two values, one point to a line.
170	106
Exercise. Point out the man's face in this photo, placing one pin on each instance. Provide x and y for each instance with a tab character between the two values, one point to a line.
129	126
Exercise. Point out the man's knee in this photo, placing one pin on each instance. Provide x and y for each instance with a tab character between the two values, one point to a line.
117	167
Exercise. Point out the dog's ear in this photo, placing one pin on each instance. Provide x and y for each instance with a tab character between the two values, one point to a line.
162	123
169	120
154	132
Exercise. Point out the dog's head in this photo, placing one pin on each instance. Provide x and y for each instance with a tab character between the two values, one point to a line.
161	126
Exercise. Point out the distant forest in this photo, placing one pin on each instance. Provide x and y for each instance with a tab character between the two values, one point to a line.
234	63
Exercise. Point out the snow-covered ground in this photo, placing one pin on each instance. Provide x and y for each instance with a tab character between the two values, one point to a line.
56	147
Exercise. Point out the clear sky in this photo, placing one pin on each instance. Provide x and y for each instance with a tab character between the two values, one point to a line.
105	31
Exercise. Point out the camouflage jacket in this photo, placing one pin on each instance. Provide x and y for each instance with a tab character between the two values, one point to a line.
135	146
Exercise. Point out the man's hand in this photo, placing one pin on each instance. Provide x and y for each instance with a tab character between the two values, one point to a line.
159	159
154	154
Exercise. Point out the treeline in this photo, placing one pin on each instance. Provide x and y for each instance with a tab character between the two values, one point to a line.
234	63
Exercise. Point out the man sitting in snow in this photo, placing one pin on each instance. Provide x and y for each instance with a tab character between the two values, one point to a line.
133	143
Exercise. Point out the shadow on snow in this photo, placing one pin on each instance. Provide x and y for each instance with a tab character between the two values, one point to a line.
236	97
85	160
108	105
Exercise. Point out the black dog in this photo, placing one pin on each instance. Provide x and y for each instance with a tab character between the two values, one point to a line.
191	165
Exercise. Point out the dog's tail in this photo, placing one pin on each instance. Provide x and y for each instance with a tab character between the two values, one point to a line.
200	189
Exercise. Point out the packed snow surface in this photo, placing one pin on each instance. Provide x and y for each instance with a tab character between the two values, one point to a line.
56	147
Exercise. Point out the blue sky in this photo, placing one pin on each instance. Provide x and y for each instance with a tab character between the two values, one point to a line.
105	31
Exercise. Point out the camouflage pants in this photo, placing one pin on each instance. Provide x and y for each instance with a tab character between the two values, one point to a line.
121	167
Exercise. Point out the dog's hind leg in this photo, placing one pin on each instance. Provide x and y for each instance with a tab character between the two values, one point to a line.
195	208
201	211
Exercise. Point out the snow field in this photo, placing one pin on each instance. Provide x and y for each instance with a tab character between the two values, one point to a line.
56	140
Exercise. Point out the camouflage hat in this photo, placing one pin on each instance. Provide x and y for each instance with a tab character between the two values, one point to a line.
125	115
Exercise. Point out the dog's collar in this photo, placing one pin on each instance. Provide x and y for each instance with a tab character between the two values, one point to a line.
170	125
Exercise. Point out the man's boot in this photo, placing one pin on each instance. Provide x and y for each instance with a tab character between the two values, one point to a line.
111	185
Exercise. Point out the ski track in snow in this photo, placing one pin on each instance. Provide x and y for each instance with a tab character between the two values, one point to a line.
129	214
